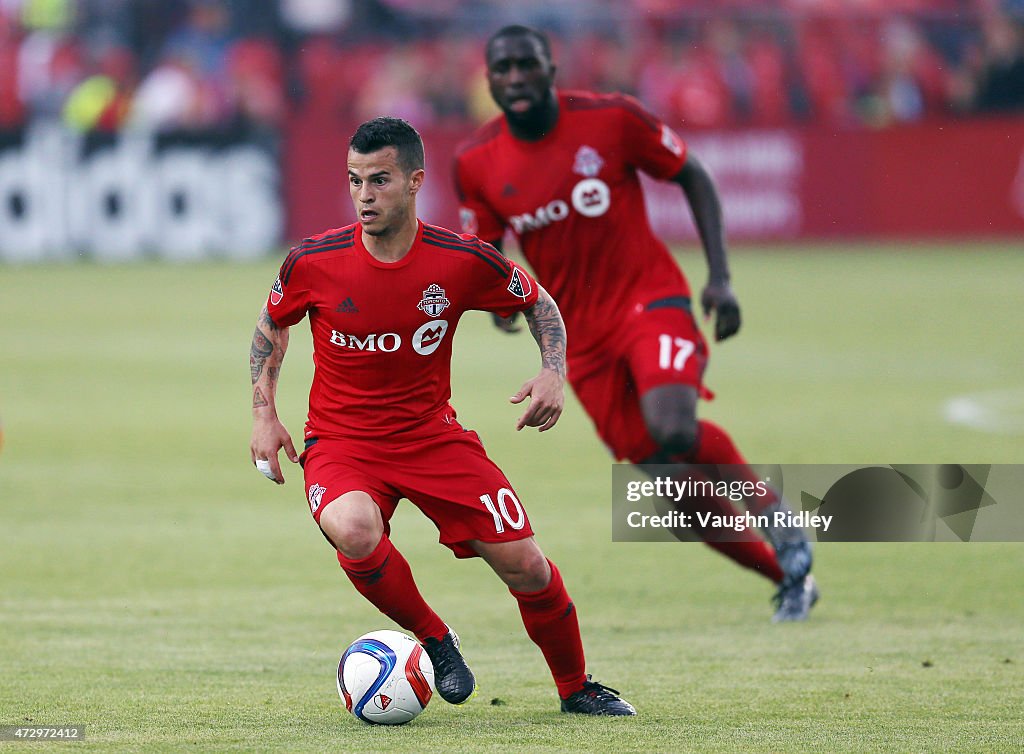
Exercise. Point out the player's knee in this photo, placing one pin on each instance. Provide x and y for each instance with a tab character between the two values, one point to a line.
522	566
534	572
353	524
670	413
674	433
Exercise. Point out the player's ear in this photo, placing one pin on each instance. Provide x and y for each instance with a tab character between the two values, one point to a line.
416	180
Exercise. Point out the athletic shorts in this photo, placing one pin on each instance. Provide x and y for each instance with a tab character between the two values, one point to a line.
660	345
449	477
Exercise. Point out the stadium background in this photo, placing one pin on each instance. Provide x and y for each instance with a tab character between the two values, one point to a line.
156	589
198	128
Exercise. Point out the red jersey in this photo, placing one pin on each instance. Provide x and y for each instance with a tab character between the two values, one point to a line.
382	332
575	202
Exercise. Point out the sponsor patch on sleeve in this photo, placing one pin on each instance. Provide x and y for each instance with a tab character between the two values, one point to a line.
276	292
520	285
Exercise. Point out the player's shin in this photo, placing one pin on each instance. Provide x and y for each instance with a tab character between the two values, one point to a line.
385	579
550	619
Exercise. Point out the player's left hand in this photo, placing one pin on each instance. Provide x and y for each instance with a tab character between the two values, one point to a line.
547	399
718	297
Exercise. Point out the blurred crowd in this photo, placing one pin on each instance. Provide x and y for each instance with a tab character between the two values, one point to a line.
207	64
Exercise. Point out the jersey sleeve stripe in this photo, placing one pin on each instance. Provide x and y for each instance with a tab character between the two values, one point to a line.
311	245
496	255
476	245
622	102
440	232
474	250
286	273
345	235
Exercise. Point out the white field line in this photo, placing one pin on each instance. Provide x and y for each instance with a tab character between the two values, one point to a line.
996	411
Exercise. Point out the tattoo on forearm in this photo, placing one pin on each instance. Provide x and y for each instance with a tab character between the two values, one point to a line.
269	343
548	330
266	320
259	353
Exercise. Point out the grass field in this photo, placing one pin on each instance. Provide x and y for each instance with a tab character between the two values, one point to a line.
157	589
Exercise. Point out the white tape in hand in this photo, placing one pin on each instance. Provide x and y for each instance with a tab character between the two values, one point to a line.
263	467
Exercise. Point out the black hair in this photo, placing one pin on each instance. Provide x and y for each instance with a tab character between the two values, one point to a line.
517	30
381	133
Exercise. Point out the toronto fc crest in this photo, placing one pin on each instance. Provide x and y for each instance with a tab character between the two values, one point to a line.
588	162
434	301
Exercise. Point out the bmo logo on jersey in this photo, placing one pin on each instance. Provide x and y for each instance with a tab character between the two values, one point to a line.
388	342
541	217
591	197
427	338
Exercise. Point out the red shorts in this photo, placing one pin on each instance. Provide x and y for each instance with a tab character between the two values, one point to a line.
659	346
449	477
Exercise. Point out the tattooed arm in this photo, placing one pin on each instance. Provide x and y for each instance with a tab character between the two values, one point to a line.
547	389
269	435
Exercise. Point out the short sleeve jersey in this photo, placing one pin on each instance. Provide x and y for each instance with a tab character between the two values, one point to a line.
382	333
575	202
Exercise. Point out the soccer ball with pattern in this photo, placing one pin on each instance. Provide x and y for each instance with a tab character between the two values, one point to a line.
385	678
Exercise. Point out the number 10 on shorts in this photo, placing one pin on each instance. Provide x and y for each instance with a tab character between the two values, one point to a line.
674	352
501	513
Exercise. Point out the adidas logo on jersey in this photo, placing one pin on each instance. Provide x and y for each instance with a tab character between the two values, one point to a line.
347	306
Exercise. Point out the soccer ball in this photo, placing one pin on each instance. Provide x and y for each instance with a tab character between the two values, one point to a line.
385	678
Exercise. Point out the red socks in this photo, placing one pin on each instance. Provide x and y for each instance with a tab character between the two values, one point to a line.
715	447
550	620
385	579
755	554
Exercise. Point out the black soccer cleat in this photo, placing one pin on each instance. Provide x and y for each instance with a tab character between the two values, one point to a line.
794	600
596	699
453	679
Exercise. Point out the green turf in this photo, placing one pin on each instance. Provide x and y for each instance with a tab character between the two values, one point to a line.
156	589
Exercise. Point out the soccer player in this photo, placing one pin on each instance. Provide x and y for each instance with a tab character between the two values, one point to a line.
560	169
384	297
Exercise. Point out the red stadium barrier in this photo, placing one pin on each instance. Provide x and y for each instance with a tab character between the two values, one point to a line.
955	179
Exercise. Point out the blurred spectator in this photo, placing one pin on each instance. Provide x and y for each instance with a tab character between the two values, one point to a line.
1001	81
102	101
256	82
47	15
12	109
218	63
173	96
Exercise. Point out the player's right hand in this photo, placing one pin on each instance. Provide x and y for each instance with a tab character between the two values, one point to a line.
268	437
718	297
507	324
